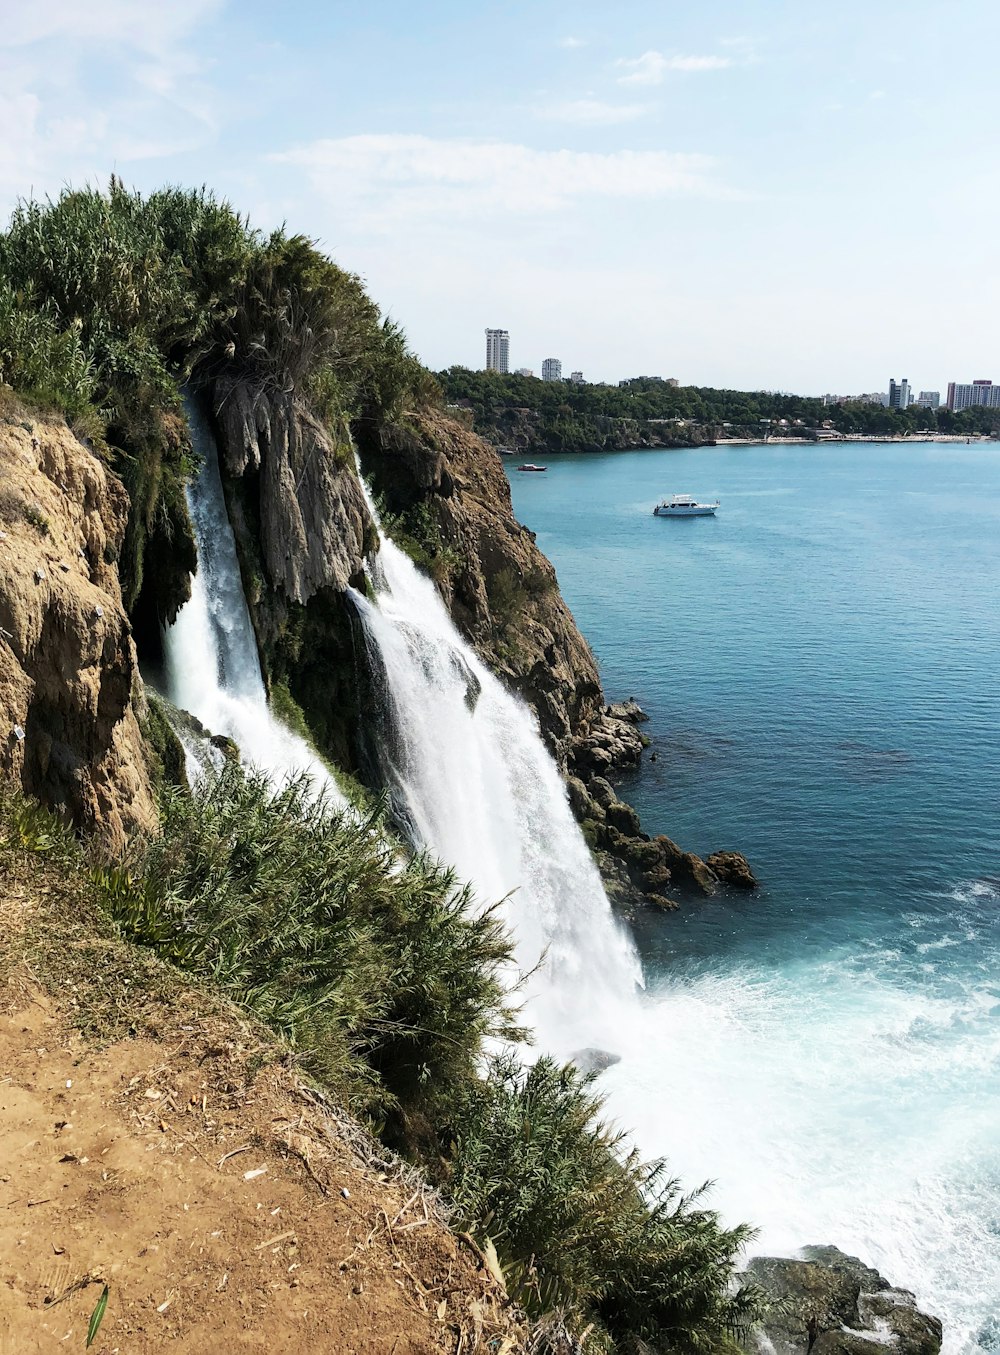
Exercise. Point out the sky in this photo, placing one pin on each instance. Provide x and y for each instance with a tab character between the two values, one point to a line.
761	194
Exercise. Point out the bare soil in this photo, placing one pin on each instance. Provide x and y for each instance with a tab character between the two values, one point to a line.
193	1171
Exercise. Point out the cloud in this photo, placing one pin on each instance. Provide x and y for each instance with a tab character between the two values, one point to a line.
382	182
572	42
593	112
152	100
145	27
652	67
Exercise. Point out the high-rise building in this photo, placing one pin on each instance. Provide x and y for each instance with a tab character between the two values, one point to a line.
929	399
899	396
577	377
975	393
552	369
497	351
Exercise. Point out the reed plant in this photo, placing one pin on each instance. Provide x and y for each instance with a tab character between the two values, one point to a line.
582	1226
376	968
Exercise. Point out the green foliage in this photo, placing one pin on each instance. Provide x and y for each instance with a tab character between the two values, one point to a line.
41	361
110	300
582	1225
26	826
417	531
563	416
376	969
97	1317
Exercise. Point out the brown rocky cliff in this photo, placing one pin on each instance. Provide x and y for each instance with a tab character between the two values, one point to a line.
69	732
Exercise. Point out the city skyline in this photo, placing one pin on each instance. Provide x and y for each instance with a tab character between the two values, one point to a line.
899	395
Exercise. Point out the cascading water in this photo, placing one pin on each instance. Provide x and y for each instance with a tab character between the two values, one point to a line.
211	663
478	788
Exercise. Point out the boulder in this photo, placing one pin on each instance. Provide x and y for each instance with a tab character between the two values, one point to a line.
629	710
623	817
602	791
828	1303
692	870
732	868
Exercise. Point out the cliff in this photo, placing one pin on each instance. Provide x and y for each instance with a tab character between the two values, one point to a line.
534	431
70	699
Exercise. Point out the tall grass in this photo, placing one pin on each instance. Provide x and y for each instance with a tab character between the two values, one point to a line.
582	1225
377	969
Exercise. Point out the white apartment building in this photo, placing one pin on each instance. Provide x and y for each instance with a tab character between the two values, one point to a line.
524	371
929	399
577	377
552	369
974	393
498	351
899	396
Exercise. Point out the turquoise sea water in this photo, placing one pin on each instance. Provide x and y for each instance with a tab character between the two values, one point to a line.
820	664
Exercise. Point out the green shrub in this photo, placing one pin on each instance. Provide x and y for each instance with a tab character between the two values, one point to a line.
581	1225
375	968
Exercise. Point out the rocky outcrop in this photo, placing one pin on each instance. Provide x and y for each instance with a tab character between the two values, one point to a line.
314	526
833	1304
70	699
732	868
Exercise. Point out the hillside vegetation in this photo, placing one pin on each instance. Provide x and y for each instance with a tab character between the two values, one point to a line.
374	969
561	416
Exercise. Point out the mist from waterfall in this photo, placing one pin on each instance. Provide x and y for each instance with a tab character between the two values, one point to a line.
211	664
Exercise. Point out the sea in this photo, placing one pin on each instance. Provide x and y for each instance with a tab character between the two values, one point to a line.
820	664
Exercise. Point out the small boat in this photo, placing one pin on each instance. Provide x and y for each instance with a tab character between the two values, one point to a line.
528	465
684	506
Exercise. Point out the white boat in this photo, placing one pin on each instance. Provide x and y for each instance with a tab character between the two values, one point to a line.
685	506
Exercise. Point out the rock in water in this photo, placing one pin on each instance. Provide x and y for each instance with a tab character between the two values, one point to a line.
836	1305
595	1060
732	868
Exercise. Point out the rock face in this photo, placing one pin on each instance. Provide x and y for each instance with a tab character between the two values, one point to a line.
70	699
835	1305
314	526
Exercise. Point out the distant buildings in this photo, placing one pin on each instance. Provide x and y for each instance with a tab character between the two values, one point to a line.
929	400
899	395
578	378
525	371
497	351
977	393
552	369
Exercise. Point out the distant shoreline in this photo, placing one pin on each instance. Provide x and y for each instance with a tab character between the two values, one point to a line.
850	437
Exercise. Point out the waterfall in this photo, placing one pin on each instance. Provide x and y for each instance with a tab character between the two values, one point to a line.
476	785
211	662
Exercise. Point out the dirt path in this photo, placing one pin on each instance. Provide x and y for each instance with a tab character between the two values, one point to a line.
224	1209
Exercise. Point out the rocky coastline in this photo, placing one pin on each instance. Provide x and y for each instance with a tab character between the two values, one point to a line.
828	1303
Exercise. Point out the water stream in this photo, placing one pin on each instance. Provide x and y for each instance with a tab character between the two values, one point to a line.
210	652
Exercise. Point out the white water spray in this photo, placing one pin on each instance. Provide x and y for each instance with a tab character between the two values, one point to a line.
480	790
212	667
